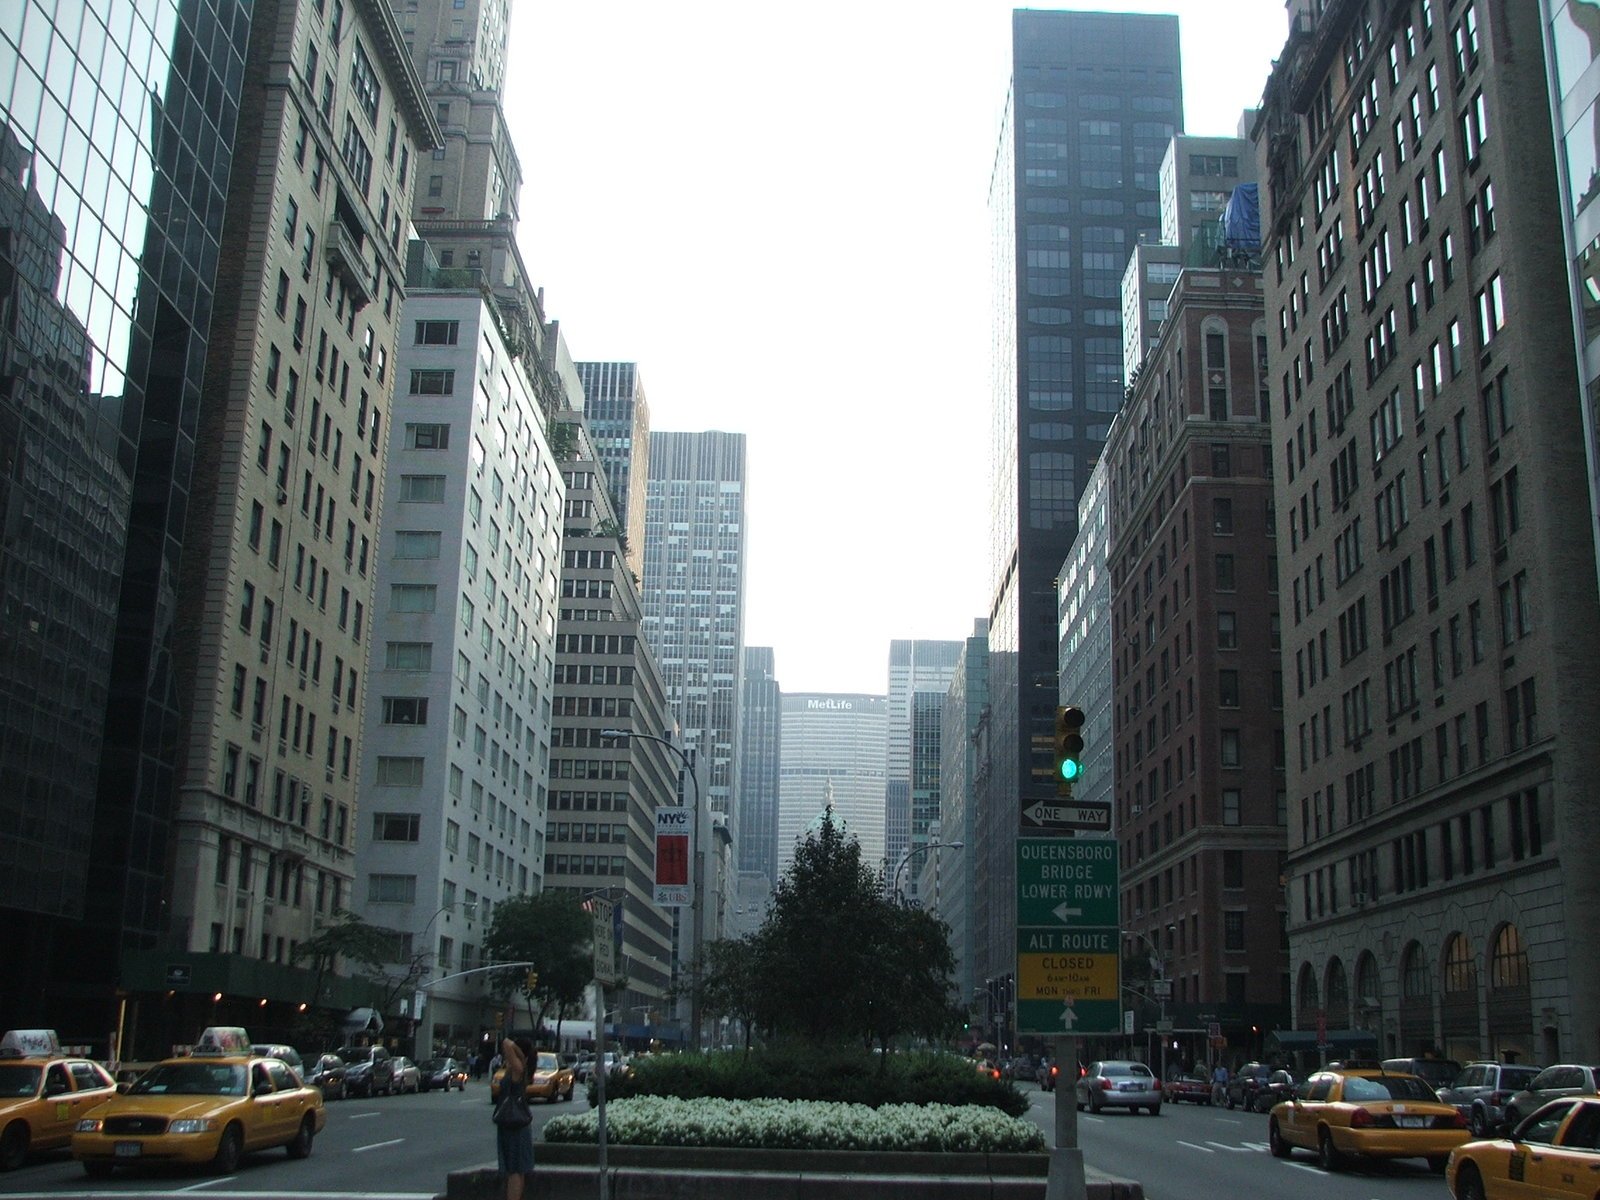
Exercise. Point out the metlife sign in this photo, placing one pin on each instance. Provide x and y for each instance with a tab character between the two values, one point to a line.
673	827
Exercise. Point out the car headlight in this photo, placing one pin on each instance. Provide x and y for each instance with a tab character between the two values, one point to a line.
192	1125
89	1125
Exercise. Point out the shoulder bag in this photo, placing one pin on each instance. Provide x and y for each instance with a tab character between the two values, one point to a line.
512	1111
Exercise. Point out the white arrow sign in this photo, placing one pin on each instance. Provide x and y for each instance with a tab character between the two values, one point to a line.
1062	912
1069	1016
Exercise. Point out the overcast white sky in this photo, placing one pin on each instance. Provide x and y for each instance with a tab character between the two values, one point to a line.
779	212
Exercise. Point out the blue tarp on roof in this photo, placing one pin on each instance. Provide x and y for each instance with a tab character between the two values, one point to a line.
1241	220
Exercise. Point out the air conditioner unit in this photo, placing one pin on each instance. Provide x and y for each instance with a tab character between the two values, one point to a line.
1358	898
1137	809
283	495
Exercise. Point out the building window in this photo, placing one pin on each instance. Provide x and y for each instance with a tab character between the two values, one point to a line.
405	710
391	889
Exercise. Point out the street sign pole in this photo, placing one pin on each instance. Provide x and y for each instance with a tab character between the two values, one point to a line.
1066	1181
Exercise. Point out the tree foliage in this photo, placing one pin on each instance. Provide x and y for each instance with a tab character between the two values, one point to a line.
552	931
835	960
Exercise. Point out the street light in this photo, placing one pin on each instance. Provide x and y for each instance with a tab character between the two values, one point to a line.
894	885
1159	963
696	905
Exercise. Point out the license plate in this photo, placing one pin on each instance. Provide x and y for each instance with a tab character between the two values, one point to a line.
1132	1087
1411	1122
129	1149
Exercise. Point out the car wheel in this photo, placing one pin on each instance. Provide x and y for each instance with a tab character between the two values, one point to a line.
1478	1122
229	1150
97	1170
300	1147
14	1146
1079	1099
1328	1156
1275	1142
1469	1184
567	1095
1155	1110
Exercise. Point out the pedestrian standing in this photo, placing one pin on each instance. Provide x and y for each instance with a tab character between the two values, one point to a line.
1219	1083
514	1144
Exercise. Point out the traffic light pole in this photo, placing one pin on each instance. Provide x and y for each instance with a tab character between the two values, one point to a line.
1066	1180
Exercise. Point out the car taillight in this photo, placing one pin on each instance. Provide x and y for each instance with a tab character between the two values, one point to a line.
1458	1120
1105	1085
1360	1119
1054	1071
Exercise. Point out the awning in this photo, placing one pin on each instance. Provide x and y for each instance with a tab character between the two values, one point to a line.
1335	1039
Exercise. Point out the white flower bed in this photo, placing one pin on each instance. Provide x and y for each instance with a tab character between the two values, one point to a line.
800	1125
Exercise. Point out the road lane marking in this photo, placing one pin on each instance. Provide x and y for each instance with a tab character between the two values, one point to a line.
1258	1145
360	1116
378	1145
1305	1167
1235	1149
1192	1146
205	1183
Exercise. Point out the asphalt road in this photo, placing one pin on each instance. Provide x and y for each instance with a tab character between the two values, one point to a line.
1196	1150
389	1148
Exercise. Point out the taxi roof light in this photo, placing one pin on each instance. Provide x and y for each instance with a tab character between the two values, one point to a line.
223	1039
30	1043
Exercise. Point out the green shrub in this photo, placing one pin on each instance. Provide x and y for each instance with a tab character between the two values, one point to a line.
795	1072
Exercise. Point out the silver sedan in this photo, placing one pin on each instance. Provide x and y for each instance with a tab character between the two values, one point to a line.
1119	1084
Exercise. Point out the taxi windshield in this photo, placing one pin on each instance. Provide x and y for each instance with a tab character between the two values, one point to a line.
18	1080
191	1079
548	1062
1359	1088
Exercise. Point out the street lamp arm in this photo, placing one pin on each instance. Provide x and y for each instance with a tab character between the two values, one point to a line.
894	881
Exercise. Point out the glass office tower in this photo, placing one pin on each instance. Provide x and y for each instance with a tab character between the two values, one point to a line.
1095	98
116	131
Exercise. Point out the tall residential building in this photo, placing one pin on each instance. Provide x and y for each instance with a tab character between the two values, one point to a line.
1197	702
914	666
1084	625
107	284
832	757
276	588
694	569
759	747
618	418
605	791
965	702
1440	593
1095	98
459	731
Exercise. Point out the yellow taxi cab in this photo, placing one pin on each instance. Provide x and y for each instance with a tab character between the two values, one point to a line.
550	1080
43	1093
1554	1153
211	1106
1366	1112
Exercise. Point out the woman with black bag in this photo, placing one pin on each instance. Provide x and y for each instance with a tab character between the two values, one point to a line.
513	1120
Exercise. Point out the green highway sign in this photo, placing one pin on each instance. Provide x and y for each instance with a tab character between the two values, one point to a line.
1067	881
1068	937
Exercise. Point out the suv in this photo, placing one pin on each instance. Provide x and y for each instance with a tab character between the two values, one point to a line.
1563	1079
1481	1091
369	1071
1439	1072
1245	1083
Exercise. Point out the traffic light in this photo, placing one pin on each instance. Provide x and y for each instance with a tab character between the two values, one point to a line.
1069	747
533	980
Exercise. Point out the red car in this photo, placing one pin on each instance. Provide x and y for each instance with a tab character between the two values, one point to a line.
1196	1089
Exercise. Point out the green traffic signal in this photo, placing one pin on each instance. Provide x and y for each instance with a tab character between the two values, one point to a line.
1070	769
1068	747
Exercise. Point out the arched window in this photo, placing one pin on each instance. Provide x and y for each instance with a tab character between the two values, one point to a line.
1414	981
1310	1002
1338	995
1508	963
1460	972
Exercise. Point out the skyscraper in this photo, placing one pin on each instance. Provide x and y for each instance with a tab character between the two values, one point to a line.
694	570
1095	98
759	750
107	283
833	757
914	666
618	418
964	706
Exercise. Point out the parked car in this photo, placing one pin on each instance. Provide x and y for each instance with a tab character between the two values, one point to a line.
407	1076
1119	1084
282	1053
1367	1113
445	1073
326	1074
1439	1072
585	1068
369	1070
1482	1090
1280	1086
1244	1083
1551	1153
1552	1083
1193	1087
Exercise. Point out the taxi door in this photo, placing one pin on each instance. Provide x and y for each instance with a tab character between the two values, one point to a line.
56	1114
1530	1160
91	1087
267	1105
1571	1167
294	1098
1301	1126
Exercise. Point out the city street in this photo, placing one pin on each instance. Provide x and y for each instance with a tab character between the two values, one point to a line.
391	1148
1191	1151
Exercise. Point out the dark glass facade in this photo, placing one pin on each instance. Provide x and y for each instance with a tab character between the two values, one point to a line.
1095	98
116	125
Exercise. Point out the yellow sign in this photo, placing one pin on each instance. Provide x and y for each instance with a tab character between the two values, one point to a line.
1057	976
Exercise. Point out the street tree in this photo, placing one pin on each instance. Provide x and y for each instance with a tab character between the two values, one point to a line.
552	931
736	979
907	981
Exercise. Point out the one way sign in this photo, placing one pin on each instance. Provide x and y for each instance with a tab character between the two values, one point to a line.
1047	816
